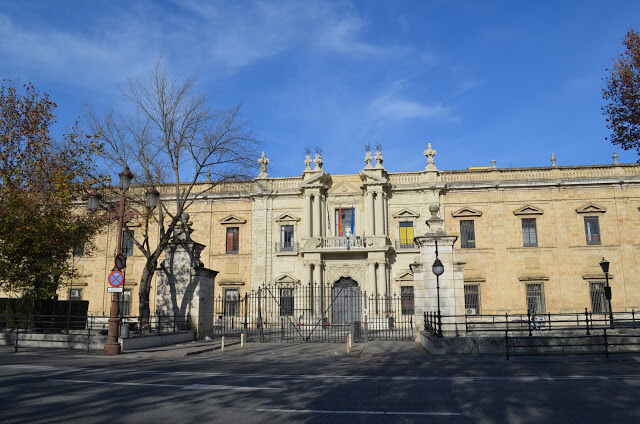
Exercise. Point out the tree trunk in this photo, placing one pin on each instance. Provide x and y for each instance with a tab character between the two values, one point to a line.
143	295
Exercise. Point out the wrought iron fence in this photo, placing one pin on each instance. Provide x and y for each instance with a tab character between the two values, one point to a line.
314	313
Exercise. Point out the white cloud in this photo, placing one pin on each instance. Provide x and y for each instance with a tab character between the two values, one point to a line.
391	105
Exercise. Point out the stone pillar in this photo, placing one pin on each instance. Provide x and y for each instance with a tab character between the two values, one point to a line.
317	215
385	218
307	288
382	279
369	213
379	214
307	215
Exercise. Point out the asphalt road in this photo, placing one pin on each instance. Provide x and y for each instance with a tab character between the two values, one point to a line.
316	383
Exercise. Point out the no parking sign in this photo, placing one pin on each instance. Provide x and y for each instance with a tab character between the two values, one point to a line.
115	280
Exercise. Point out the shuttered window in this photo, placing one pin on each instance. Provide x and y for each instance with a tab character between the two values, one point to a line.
529	232
406	235
467	234
232	240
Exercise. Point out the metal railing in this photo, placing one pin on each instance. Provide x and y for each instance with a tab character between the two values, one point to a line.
401	245
343	242
286	247
69	331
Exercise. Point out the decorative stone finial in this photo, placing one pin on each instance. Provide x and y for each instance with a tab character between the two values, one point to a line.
430	153
553	159
263	161
434	208
615	157
208	175
183	230
367	160
379	159
307	162
493	163
318	162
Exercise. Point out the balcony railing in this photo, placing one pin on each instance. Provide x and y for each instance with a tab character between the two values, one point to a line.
356	242
287	248
402	245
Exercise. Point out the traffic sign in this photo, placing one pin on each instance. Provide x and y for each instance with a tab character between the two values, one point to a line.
116	278
114	289
120	262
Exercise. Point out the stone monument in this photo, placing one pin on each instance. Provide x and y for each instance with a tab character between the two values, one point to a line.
185	286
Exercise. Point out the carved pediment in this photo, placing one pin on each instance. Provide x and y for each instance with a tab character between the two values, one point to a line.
466	212
287	217
404	276
528	210
316	179
232	219
344	188
286	279
591	208
406	213
371	177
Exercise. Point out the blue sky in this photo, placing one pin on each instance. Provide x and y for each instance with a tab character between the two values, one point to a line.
511	81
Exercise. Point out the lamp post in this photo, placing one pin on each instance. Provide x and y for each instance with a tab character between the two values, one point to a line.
604	264
111	346
438	270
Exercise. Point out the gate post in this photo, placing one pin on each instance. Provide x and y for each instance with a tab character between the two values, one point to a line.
246	306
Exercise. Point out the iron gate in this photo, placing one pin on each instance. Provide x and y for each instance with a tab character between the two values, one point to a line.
314	313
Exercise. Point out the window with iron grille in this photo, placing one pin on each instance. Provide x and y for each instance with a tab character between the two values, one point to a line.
529	232
75	294
467	234
407	300
406	235
231	302
124	307
535	299
232	240
592	229
598	301
286	302
286	237
78	251
471	299
127	243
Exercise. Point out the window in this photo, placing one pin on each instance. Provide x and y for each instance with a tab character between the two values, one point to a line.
535	299
406	295
598	301
286	302
232	302
406	235
127	243
345	225
471	299
467	234
75	294
286	237
529	233
592	229
78	251
124	307
232	240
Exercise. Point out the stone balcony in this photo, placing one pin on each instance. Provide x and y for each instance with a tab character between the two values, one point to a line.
344	244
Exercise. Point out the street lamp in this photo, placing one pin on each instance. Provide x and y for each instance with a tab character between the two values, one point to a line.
604	264
438	269
153	196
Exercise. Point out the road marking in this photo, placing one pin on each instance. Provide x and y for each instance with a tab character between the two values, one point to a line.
458	378
182	386
323	411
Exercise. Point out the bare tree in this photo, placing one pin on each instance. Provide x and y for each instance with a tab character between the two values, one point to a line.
173	140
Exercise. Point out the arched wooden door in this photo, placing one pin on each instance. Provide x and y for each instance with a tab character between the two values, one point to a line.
347	301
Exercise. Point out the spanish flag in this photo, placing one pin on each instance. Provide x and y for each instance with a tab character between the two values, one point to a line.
340	222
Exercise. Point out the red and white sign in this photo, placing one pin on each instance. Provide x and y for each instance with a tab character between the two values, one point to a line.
116	278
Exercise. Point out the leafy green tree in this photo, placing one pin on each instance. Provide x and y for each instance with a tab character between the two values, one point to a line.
622	95
41	181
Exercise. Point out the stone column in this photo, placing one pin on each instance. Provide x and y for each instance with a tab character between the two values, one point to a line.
307	215
379	214
371	287
369	213
385	220
307	287
317	289
382	279
317	214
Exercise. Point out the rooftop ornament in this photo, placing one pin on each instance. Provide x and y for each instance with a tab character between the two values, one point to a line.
430	154
263	162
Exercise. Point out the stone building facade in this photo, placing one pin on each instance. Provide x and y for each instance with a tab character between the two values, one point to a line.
522	238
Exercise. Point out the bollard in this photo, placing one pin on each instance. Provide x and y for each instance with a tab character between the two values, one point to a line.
222	344
241	339
349	343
